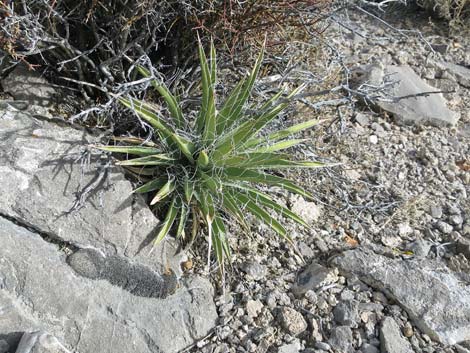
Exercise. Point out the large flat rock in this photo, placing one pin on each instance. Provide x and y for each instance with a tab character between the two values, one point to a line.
45	168
109	291
408	97
41	292
436	300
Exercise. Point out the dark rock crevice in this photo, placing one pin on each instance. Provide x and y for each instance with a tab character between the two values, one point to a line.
47	237
9	341
137	279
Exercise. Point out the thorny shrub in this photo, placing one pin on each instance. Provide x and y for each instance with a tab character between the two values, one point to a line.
457	12
91	44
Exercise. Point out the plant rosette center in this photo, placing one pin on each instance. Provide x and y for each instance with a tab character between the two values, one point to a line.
211	178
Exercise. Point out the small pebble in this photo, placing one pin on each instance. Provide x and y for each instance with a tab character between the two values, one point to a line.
322	346
408	330
444	227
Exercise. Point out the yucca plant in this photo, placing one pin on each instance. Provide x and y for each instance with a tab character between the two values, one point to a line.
203	171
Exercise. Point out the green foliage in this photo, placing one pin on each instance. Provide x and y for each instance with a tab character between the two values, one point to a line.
204	178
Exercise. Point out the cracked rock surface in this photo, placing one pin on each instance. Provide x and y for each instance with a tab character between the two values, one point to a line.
434	297
46	168
404	100
41	292
82	271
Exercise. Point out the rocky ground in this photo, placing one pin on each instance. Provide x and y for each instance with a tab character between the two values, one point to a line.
385	262
384	266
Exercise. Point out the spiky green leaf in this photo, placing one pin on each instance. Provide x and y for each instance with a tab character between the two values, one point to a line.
206	120
188	188
180	231
156	159
170	99
135	150
233	108
134	141
220	241
152	185
155	119
253	160
164	192
265	200
283	133
203	159
253	176
260	213
279	146
206	202
167	222
141	171
231	206
240	135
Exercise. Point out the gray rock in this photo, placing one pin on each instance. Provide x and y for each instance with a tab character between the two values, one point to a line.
305	250
314	277
315	333
347	295
461	73
444	227
289	348
368	348
362	119
28	85
307	210
379	297
465	344
379	130
420	247
406	107
341	339
408	330
40	291
391	339
443	312
321	245
436	211
322	346
43	176
253	307
40	342
373	139
453	209
292	321
456	220
466	230
256	270
404	229
311	296
346	313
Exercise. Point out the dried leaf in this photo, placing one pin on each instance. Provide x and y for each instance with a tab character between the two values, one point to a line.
463	165
351	241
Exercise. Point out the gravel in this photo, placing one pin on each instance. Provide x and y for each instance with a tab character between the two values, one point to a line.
400	190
